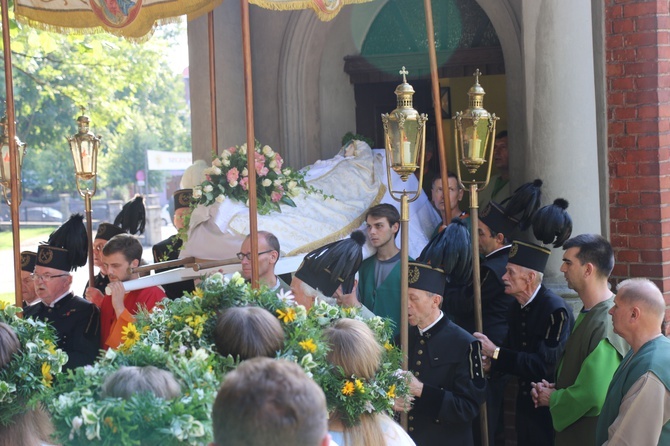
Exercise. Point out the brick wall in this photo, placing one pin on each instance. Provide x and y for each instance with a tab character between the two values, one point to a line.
638	99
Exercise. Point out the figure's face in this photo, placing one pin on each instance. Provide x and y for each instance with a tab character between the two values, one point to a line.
487	242
51	283
620	313
380	232
179	215
515	279
572	269
422	307
98	244
455	194
118	268
267	258
501	154
299	295
27	287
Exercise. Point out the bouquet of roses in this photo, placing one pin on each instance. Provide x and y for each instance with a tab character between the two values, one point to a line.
229	177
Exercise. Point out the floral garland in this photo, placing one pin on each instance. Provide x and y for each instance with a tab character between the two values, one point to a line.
229	177
178	336
28	377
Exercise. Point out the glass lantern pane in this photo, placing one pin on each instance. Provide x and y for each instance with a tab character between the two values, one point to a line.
5	172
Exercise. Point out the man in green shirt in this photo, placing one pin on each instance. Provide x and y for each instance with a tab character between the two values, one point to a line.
593	351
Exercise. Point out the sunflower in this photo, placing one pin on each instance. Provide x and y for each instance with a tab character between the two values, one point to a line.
129	335
47	377
391	392
348	388
287	316
198	292
308	345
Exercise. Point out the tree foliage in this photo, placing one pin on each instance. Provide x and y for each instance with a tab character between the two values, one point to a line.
134	100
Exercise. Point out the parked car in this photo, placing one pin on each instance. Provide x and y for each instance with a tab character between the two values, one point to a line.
42	213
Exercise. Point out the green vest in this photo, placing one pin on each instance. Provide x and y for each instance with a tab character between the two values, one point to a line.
595	326
654	356
385	300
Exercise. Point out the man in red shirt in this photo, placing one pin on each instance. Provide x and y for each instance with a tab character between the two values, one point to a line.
119	307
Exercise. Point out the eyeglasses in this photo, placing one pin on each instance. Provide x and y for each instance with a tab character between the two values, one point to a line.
46	277
242	256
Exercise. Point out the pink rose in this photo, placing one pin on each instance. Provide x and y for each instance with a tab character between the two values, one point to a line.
232	175
244	182
280	161
275	196
232	150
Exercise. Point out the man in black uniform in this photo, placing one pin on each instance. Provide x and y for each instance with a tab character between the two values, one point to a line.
494	229
447	380
30	299
539	325
76	321
169	248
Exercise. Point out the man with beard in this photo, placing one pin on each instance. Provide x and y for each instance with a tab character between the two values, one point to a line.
119	307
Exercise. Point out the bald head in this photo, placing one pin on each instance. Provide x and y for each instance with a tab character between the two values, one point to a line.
642	293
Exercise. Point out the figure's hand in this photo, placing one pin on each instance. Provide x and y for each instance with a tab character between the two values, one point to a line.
415	386
486	363
541	393
347	300
118	292
401	404
94	295
488	347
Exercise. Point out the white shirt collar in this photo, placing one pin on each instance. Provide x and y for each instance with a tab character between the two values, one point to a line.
493	252
532	297
53	304
422	331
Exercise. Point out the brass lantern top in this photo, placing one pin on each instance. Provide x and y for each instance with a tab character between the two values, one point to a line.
404	93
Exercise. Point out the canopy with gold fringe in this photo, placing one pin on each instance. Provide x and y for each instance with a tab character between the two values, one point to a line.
325	9
132	19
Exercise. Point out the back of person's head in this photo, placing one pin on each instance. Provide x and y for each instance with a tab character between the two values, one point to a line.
593	249
128	245
33	426
248	332
353	347
643	293
384	210
269	402
9	344
129	380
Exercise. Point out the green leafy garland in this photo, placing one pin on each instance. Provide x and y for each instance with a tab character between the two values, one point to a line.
178	336
28	377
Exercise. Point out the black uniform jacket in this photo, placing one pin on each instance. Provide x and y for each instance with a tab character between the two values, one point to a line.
77	323
168	249
447	360
459	300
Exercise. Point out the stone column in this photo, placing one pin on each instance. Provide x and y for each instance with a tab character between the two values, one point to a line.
152	232
562	146
65	205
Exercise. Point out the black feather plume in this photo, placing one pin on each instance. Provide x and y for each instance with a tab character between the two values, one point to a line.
524	202
342	259
132	217
553	224
72	236
451	250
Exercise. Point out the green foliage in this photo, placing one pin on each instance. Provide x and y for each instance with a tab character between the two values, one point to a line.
351	136
134	101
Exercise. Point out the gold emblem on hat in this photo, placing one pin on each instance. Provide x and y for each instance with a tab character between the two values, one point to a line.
46	256
513	250
102	229
184	199
413	274
25	260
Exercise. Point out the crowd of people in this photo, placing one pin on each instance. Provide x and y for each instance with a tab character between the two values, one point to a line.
602	378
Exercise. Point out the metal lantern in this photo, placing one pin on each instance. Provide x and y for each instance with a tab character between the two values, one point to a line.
5	170
84	147
404	132
475	131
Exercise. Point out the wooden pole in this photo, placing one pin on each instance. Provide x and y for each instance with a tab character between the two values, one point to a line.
251	140
13	155
435	84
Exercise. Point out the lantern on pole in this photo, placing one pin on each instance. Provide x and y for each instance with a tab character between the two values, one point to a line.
5	166
474	136
84	147
404	141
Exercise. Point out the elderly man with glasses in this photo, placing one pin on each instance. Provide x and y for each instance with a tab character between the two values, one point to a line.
268	254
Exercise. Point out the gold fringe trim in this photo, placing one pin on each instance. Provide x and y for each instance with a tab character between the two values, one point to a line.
323	15
342	232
